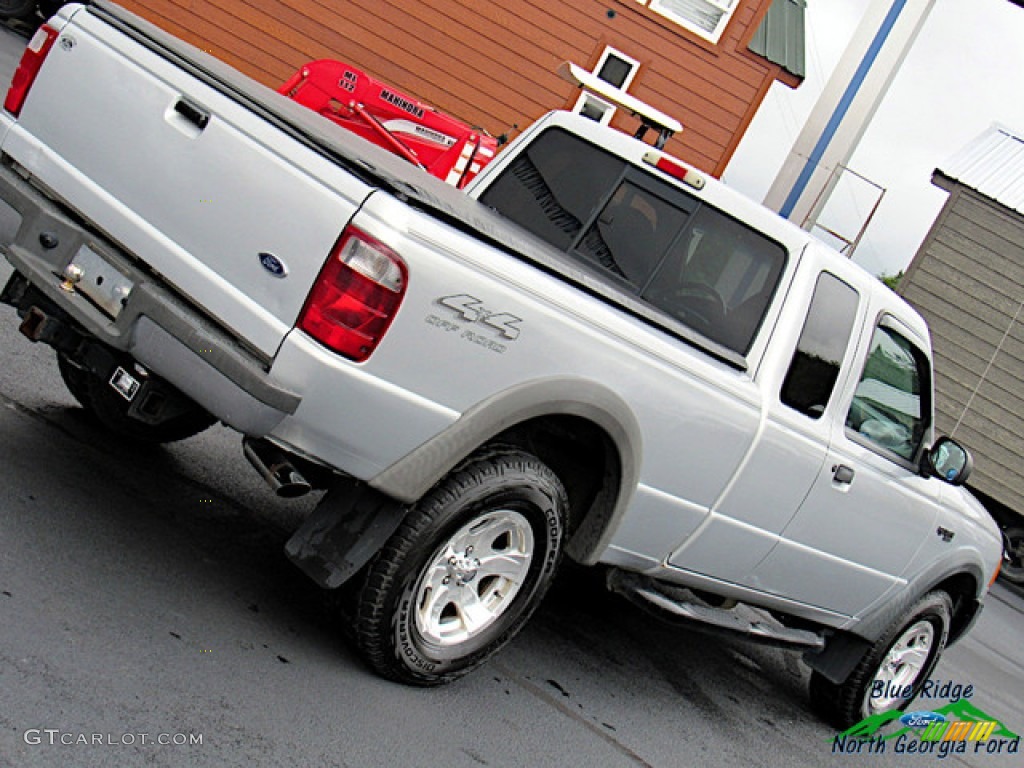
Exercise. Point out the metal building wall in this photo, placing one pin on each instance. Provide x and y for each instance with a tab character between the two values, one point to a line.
968	281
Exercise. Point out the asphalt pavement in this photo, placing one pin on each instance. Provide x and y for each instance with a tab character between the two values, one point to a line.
148	616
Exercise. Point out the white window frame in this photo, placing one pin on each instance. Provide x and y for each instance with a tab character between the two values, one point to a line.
606	109
595	103
727	7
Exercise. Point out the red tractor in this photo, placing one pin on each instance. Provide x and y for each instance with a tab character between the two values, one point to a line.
440	144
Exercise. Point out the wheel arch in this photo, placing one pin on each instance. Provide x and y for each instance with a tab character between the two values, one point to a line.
962	589
961	577
584	431
846	647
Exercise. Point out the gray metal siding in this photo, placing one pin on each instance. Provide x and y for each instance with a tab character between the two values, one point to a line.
968	282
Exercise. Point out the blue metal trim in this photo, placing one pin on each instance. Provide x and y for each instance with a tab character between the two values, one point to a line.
852	89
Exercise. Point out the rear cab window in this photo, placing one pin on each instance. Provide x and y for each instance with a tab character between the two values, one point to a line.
692	262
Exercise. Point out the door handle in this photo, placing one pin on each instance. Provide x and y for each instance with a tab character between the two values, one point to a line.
842	474
195	115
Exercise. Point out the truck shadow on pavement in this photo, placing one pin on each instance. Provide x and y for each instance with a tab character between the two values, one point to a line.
148	500
714	673
588	643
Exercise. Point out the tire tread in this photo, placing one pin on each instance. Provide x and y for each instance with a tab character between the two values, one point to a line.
374	621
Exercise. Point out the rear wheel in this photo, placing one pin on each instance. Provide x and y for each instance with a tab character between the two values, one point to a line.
17	9
892	672
111	410
466	569
75	379
50	7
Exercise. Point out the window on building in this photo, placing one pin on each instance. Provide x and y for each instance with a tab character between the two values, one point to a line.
821	348
594	107
707	18
890	408
618	70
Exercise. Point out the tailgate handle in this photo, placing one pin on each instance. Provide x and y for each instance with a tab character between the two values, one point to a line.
195	115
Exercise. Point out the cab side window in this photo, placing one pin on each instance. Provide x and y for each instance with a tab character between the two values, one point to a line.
890	408
822	346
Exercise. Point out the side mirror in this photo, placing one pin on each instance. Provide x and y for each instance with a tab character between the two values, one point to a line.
948	461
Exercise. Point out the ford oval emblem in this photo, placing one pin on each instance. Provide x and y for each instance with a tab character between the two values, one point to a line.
273	265
921	719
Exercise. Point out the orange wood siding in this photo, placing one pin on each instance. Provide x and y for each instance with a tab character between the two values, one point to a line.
494	64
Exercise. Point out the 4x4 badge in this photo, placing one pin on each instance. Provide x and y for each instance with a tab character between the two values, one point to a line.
472	310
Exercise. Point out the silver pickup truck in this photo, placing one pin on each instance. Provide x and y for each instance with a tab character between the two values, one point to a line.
596	350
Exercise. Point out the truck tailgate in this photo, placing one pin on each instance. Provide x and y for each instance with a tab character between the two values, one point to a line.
190	180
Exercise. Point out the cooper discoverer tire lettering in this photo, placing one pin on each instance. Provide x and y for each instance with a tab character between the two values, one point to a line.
466	569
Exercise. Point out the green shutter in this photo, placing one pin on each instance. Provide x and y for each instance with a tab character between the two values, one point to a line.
780	38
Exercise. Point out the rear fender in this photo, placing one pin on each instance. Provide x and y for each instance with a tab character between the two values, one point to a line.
411	477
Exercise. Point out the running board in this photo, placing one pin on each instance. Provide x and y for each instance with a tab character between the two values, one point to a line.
681	605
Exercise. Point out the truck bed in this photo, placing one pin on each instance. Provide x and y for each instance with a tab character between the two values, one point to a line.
182	256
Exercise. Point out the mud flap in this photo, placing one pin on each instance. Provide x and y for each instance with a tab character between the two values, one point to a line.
348	527
841	654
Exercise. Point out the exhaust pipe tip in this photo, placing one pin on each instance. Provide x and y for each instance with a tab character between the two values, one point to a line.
276	468
293	485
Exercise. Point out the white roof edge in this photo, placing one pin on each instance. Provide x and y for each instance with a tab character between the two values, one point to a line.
992	164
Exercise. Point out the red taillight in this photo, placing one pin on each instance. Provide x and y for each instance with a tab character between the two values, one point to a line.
355	297
40	45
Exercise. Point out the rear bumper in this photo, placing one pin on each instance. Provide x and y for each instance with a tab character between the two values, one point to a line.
154	325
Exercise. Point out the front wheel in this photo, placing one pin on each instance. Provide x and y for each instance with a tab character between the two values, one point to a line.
893	671
465	570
